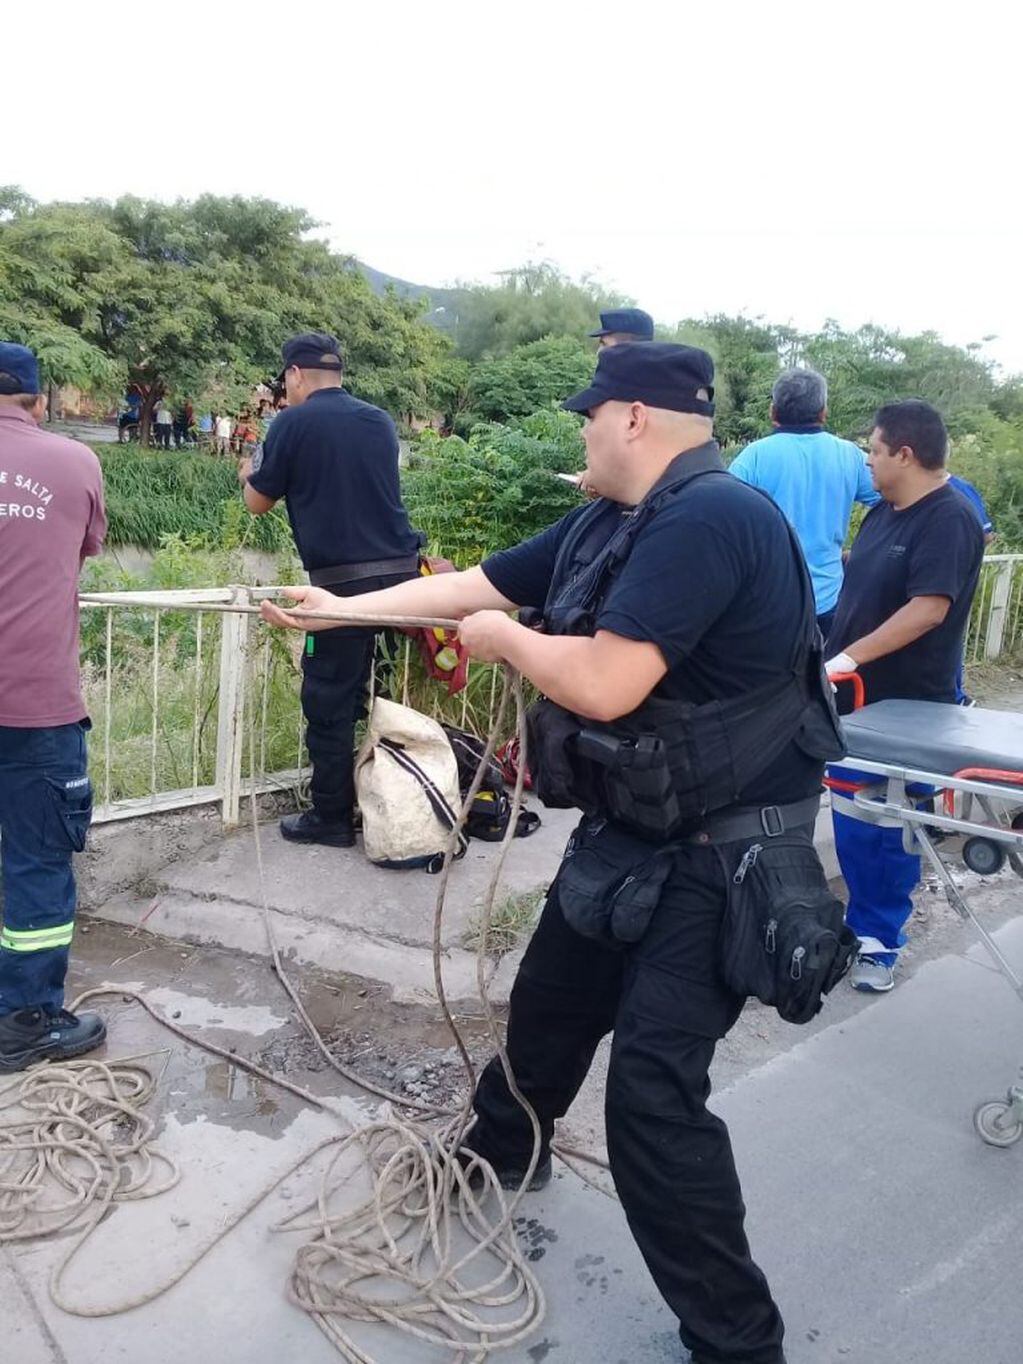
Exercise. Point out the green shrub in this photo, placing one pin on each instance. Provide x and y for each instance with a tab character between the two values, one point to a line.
530	378
498	487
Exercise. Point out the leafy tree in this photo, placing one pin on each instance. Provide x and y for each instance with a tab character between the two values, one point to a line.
988	451
872	366
52	273
450	390
193	299
534	301
529	378
189	298
747	354
477	495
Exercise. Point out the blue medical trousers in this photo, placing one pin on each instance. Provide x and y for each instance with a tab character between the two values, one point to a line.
45	808
880	875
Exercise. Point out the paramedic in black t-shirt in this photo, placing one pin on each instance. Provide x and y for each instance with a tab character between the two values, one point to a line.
712	602
900	623
334	460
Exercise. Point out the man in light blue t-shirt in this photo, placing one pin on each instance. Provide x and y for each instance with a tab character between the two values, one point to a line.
813	476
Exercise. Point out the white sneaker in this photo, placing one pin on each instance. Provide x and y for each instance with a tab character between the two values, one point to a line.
872	975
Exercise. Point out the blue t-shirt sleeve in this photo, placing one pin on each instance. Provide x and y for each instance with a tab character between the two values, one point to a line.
980	508
975	500
270	463
523	573
678	580
865	490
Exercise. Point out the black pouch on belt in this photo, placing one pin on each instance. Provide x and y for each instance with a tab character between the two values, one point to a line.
610	882
784	938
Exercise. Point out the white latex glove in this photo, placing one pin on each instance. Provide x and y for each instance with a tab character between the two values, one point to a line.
841	663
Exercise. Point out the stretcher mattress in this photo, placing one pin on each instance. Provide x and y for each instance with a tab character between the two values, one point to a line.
935	738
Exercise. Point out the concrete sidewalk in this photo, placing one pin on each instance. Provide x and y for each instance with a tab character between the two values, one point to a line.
888	1230
331	908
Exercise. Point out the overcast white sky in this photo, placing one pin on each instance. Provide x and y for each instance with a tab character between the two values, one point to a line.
800	160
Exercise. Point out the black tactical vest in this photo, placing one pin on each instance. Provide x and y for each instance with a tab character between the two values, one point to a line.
670	762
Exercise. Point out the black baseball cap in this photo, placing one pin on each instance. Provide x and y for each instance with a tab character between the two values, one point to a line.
658	373
311	350
19	371
631	321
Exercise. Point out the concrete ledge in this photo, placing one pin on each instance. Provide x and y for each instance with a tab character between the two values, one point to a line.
329	907
406	968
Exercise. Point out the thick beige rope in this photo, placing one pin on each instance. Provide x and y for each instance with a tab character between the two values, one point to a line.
66	1136
405	1237
156	601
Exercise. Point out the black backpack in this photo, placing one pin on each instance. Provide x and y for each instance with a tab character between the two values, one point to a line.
491	807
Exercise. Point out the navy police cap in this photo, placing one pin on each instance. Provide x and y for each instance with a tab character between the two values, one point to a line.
627	321
311	350
679	378
19	372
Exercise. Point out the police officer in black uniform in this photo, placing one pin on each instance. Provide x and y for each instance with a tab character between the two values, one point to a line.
334	460
685	711
623	326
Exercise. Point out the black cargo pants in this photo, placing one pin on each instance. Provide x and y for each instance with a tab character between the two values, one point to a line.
671	1158
336	667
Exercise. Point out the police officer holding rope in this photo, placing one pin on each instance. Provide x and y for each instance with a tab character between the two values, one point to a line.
685	712
334	461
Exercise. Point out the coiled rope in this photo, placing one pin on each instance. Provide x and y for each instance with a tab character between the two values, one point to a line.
75	1142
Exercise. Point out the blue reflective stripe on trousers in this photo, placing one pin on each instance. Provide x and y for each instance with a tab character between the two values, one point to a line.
45	807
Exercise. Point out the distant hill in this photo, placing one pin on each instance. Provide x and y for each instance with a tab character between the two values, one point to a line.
443	312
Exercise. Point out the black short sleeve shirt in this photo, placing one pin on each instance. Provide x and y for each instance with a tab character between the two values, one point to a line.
713	581
933	548
334	460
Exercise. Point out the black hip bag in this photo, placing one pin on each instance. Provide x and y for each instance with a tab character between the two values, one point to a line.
784	938
610	882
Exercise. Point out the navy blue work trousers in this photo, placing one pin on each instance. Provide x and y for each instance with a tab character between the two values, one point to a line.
45	809
336	667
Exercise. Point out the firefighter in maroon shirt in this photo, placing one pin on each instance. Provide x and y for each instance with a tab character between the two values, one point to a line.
51	518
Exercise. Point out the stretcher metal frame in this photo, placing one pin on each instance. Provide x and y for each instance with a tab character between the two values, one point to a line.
999	1122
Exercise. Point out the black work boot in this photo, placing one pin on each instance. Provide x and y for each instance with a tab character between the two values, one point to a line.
309	827
508	1176
512	1179
31	1035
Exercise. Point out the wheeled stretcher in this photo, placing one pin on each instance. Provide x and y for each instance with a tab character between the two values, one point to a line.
969	764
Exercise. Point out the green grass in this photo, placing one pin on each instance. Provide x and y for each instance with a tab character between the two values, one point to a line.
187	680
511	921
152	494
187	687
188	694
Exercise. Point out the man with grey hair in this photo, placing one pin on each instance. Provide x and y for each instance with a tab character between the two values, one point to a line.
813	476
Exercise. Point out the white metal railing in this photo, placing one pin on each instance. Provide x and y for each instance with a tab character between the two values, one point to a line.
193	700
162	669
996	624
181	688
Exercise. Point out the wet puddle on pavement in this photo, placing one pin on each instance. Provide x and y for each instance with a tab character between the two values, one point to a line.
200	1088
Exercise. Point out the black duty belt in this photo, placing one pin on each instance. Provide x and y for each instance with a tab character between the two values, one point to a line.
350	573
744	821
